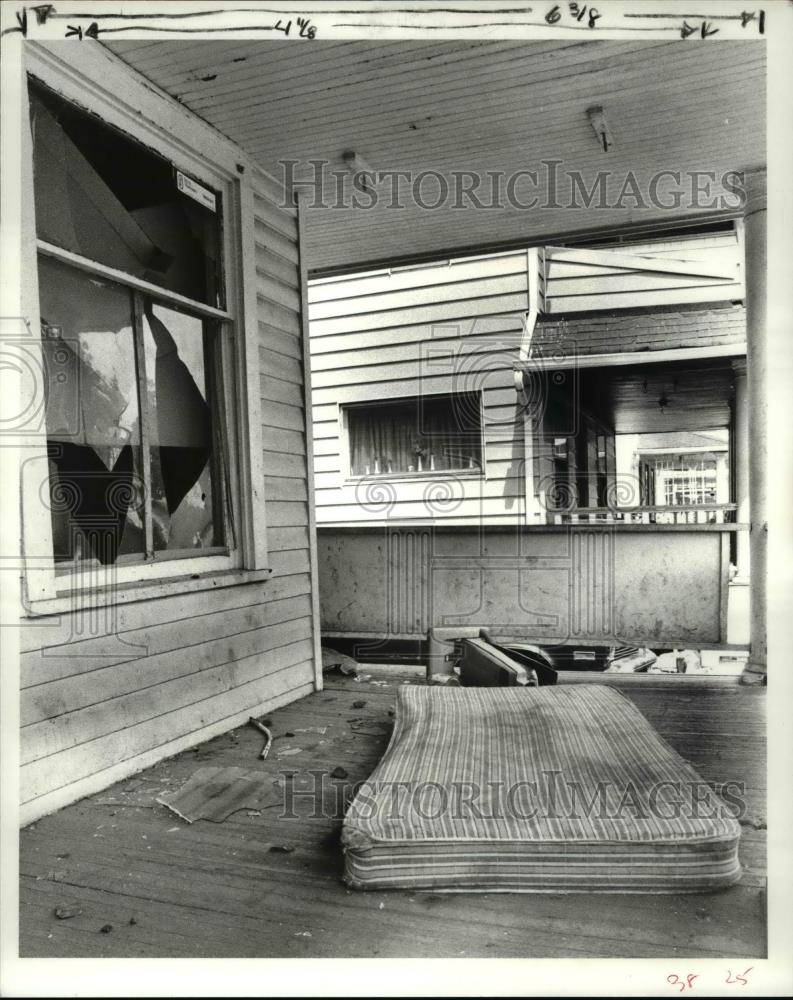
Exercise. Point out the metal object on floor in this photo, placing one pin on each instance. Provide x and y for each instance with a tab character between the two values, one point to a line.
471	655
268	736
485	665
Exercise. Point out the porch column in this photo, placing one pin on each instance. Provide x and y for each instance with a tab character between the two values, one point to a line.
755	214
741	456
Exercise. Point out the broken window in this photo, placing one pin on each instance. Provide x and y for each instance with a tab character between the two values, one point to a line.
108	198
426	434
132	432
137	440
178	356
93	415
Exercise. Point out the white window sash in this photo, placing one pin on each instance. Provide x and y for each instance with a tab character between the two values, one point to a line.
43	585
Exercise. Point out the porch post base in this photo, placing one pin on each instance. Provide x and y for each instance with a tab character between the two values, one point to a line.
753	673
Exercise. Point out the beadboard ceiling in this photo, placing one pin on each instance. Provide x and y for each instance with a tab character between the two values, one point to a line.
655	398
471	105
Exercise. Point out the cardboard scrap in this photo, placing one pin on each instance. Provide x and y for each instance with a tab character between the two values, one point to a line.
370	727
332	659
214	793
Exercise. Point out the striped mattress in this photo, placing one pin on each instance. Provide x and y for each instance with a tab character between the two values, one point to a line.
549	789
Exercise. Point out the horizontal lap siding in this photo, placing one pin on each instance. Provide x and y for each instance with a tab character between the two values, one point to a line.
457	325
164	674
700	269
436	329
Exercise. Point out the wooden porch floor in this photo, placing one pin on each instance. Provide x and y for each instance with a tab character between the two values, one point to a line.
257	885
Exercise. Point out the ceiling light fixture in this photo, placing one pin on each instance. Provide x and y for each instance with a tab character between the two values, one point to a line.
356	164
597	119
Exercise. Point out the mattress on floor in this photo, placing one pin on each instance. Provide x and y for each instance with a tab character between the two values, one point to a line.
544	789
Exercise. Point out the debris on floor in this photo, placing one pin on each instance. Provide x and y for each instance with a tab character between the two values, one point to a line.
281	849
754	822
370	727
106	929
68	910
54	875
338	772
677	661
631	660
214	793
332	659
448	680
268	736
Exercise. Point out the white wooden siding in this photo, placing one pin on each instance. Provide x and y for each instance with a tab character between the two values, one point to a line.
431	329
704	268
457	326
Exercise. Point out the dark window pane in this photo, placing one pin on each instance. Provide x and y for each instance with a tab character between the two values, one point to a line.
93	419
106	197
426	434
186	508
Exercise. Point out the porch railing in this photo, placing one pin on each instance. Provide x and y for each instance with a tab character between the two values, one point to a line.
713	513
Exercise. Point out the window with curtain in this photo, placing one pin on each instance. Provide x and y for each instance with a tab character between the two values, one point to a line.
129	293
423	435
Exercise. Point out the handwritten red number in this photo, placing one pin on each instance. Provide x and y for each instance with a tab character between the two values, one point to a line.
688	983
739	977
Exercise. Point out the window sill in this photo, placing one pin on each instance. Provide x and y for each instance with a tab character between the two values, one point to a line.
412	477
146	590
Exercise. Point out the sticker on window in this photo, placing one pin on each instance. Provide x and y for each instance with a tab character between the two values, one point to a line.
196	191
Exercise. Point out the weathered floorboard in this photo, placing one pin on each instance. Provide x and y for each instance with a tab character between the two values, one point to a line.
230	890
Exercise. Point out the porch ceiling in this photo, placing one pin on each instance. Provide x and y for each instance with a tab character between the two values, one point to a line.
471	105
695	397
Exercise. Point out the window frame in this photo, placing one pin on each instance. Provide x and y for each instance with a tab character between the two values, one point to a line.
224	323
153	121
395	477
705	477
